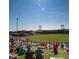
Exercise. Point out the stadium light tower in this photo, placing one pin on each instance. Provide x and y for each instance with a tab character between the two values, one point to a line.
40	27
16	24
62	27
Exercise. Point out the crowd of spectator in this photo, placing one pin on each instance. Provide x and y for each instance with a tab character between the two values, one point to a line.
19	46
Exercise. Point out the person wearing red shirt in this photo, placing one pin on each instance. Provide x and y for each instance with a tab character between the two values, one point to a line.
55	48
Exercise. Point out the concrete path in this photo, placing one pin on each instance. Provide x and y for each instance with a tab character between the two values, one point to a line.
56	58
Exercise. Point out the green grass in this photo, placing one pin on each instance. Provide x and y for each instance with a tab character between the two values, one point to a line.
49	38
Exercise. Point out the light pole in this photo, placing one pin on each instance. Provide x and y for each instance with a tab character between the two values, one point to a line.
40	28
62	27
16	24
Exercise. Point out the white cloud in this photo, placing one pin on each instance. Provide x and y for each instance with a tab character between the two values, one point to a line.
43	9
52	12
39	0
39	4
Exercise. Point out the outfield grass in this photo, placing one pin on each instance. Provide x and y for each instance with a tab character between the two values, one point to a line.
49	38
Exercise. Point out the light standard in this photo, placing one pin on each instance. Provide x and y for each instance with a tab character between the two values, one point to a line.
16	24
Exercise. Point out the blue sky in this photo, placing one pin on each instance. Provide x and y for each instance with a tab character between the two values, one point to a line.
49	14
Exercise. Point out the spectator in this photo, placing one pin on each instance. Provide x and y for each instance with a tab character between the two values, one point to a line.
13	53
62	45
48	46
29	54
55	48
21	50
39	53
